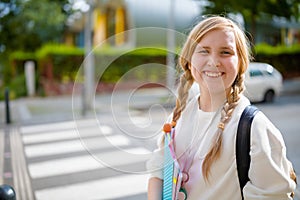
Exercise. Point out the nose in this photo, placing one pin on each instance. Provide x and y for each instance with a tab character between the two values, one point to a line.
214	61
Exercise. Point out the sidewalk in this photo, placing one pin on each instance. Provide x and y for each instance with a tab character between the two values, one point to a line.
37	110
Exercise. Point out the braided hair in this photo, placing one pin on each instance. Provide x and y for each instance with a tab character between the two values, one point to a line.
186	79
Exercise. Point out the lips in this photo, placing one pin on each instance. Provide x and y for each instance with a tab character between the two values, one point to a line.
213	74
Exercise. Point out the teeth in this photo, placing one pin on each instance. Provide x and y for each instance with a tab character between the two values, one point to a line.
213	74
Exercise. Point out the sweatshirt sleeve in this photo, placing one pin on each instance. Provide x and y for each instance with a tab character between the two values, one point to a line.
269	171
155	164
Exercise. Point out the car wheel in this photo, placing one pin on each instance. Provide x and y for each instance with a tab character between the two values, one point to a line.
269	96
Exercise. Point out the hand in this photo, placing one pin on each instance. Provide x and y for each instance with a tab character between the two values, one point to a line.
182	195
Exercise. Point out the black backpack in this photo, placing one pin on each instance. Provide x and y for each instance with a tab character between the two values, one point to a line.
243	147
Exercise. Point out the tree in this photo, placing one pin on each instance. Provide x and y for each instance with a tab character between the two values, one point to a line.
253	11
26	25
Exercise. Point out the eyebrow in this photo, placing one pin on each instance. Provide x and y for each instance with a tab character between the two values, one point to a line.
198	47
227	47
207	47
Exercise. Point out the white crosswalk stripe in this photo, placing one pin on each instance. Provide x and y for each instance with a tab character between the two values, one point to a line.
61	135
97	189
73	146
81	163
57	154
42	128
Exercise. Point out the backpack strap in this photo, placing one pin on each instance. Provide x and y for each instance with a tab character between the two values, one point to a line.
243	145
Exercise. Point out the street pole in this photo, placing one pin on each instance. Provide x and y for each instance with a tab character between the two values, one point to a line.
89	62
7	107
171	40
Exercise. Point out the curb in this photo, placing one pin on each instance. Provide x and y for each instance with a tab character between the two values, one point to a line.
21	177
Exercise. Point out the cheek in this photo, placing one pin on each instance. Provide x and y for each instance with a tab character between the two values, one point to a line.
196	74
232	71
194	71
197	61
232	65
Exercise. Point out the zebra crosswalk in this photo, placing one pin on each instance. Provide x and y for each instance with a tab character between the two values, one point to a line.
83	160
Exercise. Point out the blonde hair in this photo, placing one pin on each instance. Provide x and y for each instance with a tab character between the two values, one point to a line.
186	79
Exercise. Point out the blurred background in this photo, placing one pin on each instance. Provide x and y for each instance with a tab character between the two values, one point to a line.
52	35
83	81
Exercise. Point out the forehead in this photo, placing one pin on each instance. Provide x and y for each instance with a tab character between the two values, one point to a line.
223	37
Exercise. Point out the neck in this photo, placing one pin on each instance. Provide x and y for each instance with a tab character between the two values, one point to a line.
211	102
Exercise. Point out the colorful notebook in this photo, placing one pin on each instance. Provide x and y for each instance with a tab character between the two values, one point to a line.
171	172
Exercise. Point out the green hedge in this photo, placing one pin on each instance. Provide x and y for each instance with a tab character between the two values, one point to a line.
267	49
116	63
111	64
17	88
139	64
65	62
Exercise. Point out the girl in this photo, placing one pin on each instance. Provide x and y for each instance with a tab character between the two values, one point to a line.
216	56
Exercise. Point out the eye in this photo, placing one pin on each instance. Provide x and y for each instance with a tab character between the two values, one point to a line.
226	52
203	51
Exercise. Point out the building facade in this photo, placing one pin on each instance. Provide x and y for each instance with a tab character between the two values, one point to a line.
136	22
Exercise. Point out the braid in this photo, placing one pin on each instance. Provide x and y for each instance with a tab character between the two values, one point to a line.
186	82
226	113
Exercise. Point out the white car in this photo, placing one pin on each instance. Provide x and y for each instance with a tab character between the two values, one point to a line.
263	82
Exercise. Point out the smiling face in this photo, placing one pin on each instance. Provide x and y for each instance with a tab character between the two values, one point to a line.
214	62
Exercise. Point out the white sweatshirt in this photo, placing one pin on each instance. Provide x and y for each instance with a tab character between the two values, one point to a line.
269	168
